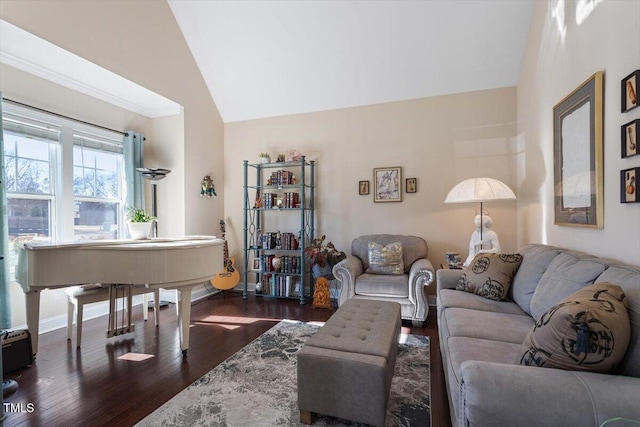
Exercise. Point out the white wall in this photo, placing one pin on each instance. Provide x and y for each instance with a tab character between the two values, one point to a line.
141	42
439	140
553	66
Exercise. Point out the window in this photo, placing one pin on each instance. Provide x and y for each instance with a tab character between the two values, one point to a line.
64	180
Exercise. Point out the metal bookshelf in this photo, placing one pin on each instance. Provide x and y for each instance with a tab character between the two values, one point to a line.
287	189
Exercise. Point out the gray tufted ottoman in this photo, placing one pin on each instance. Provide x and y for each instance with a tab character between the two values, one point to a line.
345	369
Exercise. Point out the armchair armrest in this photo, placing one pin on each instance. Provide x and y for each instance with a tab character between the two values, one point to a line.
448	278
346	272
499	394
421	274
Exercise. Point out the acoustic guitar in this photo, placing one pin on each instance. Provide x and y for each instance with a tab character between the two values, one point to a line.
229	277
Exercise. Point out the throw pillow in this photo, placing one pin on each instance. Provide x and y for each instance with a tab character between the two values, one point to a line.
385	259
490	275
588	331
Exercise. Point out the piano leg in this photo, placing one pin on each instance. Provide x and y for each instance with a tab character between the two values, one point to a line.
32	302
184	320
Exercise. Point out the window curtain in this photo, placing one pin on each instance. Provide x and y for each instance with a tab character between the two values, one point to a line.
133	153
5	282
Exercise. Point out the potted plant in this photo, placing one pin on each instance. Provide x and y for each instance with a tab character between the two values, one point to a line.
139	223
323	256
265	158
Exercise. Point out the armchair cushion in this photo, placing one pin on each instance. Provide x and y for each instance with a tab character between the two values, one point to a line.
375	285
385	259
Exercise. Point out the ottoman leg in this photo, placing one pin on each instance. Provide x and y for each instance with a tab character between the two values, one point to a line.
307	417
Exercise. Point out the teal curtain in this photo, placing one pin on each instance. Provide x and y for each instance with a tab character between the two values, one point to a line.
5	282
133	154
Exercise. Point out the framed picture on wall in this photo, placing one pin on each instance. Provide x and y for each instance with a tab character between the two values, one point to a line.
629	91
578	156
411	185
629	185
629	134
363	188
387	184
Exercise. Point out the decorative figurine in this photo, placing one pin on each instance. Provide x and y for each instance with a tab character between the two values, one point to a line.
207	188
321	295
483	240
294	156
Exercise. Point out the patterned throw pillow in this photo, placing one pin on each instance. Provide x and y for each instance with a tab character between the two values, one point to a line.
490	275
588	331
385	259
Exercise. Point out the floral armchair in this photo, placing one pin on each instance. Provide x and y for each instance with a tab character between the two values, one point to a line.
359	279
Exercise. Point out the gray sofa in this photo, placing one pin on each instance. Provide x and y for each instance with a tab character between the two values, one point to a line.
480	342
406	289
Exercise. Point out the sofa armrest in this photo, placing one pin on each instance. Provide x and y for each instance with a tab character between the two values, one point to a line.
498	394
448	278
346	272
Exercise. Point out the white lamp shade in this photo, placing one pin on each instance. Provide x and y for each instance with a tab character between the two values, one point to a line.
479	190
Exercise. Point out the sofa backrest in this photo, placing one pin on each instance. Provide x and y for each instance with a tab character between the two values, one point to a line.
549	274
413	247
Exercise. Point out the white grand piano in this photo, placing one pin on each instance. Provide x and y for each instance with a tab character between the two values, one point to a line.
180	263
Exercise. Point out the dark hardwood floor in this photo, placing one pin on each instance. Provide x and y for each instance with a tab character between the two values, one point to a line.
93	386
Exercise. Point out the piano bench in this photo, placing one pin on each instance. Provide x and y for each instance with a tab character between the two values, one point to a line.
78	296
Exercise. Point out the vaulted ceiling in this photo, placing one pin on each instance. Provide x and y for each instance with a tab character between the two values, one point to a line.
271	58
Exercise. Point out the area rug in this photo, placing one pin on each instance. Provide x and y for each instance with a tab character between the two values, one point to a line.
257	386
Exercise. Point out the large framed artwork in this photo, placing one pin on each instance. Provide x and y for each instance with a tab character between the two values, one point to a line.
387	184
578	156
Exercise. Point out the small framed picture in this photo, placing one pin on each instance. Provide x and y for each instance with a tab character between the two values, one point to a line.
411	185
629	91
629	185
387	184
363	188
629	135
255	264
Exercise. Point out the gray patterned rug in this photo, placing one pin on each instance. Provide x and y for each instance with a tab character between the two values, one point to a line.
257	386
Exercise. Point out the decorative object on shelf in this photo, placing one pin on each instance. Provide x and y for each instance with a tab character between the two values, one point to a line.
294	156
323	257
454	260
139	223
387	184
629	91
363	188
280	158
578	156
206	187
321	294
276	263
480	190
629	136
154	175
629	185
411	186
265	158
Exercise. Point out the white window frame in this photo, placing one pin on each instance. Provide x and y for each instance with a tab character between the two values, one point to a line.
61	190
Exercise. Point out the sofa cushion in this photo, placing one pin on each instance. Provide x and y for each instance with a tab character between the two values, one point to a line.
382	285
535	260
385	259
588	331
567	273
462	349
413	247
463	322
628	278
453	298
490	275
